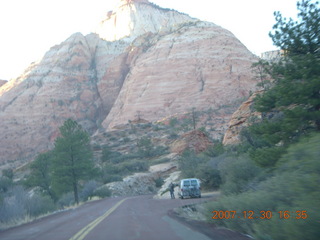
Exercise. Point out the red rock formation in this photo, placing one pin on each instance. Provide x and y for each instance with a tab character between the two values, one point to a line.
239	120
194	140
153	61
33	106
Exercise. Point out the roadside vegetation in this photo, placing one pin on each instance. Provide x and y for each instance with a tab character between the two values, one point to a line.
275	169
289	192
58	178
272	178
74	171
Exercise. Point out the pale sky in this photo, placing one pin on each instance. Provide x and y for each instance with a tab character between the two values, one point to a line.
29	28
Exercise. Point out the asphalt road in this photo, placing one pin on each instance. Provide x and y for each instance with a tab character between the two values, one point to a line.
140	217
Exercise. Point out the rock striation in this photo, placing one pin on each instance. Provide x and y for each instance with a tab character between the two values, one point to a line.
142	60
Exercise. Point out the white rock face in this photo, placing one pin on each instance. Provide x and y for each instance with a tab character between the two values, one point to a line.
132	19
145	183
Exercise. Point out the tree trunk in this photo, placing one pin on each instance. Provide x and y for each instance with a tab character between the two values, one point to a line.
75	192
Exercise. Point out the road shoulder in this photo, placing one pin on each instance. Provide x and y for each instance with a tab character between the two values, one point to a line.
209	229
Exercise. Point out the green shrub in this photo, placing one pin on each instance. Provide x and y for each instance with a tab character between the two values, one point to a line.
238	173
102	192
5	184
125	168
111	169
145	125
159	182
88	189
111	178
67	199
215	150
173	122
13	207
39	205
161	160
293	187
210	177
200	166
188	163
8	173
110	156
173	135
17	205
156	127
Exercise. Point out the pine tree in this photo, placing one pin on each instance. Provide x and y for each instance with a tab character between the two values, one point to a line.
291	107
73	159
40	175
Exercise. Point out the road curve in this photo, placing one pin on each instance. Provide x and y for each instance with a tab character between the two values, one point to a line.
140	217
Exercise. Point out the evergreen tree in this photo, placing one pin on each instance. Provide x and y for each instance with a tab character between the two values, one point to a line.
291	106
40	175
73	159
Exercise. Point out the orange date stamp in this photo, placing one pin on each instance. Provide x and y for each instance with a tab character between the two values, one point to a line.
220	214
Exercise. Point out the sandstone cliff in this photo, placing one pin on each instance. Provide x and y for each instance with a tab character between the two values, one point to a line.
33	106
197	65
195	140
142	60
240	119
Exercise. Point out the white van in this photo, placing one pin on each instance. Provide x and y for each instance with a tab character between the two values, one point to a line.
190	187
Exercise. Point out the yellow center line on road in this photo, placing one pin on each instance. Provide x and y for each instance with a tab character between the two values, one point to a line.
84	231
